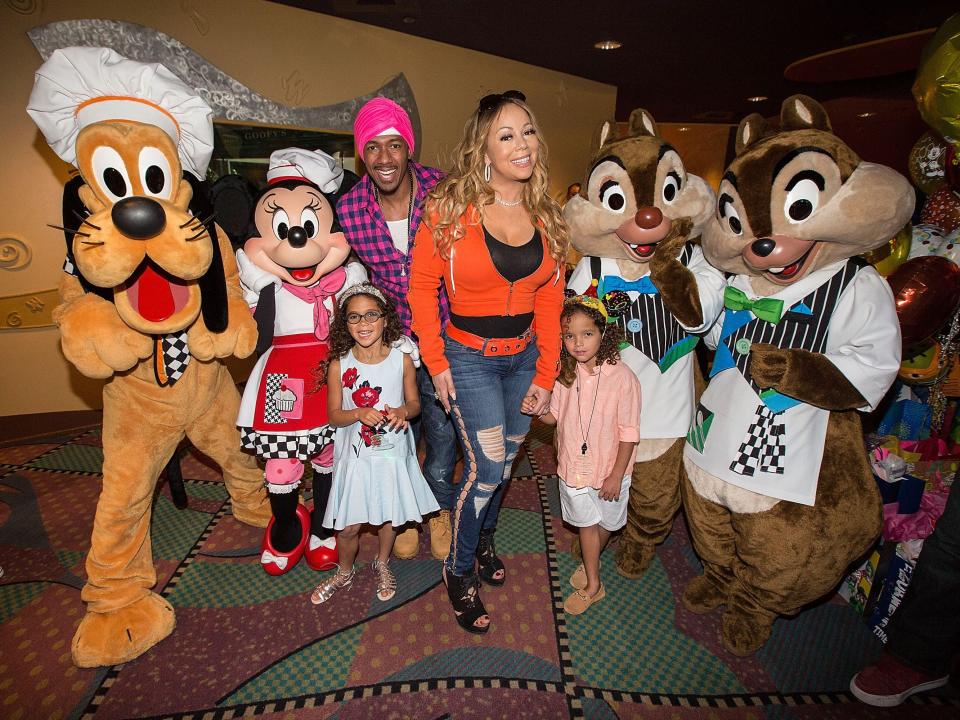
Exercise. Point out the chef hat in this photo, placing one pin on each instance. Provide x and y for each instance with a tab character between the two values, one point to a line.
314	166
382	116
80	86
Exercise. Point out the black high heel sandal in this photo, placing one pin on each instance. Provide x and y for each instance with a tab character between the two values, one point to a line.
467	607
488	564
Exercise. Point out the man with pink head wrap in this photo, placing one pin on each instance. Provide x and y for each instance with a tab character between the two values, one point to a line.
379	217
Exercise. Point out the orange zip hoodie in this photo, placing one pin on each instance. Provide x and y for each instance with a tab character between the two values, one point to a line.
475	288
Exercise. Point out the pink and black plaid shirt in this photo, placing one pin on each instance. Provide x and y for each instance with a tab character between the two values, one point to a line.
367	232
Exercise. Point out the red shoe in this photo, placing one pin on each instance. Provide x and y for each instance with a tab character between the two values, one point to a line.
889	682
279	563
324	555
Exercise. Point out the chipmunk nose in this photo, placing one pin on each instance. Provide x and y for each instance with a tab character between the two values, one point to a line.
297	237
763	247
139	218
648	217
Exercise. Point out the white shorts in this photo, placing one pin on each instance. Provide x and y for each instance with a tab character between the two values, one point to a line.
582	507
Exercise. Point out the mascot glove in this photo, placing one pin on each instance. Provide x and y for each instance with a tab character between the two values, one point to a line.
253	278
768	364
95	338
238	339
669	248
356	273
408	346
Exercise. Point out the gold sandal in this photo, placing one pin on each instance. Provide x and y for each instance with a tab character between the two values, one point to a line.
338	581
386	580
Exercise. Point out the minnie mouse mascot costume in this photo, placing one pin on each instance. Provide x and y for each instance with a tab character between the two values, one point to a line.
291	271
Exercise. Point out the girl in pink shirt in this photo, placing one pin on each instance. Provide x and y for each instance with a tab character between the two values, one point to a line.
596	408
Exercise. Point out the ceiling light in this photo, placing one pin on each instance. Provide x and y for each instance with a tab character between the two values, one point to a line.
608	45
867	114
757	98
409	20
683	129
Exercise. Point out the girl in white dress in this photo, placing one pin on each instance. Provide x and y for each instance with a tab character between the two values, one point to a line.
372	394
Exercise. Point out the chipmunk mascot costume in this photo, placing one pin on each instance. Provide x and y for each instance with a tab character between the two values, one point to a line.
779	496
176	309
636	221
291	270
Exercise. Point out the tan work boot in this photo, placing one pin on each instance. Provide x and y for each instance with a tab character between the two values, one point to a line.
407	544
440	533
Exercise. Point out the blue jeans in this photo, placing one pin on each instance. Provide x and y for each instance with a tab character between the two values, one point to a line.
441	441
491	427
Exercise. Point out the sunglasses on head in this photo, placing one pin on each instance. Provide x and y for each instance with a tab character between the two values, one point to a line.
495	100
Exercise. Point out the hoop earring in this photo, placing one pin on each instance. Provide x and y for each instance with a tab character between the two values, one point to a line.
487	173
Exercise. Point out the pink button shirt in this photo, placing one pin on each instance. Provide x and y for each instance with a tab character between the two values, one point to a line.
616	419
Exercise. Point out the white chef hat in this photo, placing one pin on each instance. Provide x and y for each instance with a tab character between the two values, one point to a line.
311	165
80	86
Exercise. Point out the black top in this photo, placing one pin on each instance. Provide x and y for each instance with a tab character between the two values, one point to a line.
513	263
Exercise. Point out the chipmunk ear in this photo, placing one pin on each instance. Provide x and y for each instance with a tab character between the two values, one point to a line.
751	129
800	112
642	123
603	135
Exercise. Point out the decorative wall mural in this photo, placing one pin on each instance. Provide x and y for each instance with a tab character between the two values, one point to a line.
229	98
15	254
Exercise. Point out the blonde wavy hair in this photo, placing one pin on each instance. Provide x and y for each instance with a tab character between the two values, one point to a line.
464	186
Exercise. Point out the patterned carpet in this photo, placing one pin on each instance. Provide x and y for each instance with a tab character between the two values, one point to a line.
247	644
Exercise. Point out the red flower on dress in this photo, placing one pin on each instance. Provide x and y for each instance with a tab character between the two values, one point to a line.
365	395
349	377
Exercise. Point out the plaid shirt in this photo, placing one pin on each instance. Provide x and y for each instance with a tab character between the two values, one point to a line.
366	230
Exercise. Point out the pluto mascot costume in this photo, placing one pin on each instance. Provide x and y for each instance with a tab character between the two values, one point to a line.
636	221
176	309
780	497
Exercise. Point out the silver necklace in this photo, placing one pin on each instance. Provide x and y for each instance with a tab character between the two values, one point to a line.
584	435
501	201
376	195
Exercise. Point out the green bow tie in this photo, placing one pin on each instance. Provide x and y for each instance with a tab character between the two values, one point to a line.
768	309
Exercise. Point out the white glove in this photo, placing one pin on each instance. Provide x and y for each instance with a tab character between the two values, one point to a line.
253	278
356	273
408	346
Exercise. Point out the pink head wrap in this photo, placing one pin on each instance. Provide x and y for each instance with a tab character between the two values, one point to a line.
378	115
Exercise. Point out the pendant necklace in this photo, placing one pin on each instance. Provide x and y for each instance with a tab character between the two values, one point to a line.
583	436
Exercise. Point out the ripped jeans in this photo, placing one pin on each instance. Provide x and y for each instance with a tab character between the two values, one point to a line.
488	421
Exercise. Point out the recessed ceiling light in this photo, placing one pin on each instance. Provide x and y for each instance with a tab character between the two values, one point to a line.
867	114
683	129
757	98
608	45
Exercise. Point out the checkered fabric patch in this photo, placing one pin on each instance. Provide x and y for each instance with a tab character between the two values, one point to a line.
176	355
69	268
763	445
271	414
301	447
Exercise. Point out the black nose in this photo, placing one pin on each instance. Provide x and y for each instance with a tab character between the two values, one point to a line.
297	237
139	218
763	247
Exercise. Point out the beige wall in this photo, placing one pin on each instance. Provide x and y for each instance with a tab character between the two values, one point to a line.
270	48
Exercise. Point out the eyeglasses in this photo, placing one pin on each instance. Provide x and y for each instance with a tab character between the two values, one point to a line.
495	100
371	316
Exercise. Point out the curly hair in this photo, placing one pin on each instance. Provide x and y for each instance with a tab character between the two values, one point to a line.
609	352
464	187
340	340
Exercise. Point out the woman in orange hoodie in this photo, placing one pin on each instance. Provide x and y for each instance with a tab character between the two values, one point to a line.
497	241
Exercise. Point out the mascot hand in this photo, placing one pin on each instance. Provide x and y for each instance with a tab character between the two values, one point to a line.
253	278
238	339
667	251
96	340
408	346
768	364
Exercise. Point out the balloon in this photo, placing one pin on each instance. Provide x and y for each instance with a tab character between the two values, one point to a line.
926	291
926	162
942	209
889	257
923	368
951	167
937	87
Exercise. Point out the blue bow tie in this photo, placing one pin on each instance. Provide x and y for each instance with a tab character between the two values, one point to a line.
643	286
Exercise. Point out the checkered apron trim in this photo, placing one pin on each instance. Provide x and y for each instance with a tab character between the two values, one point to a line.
171	357
763	447
302	447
